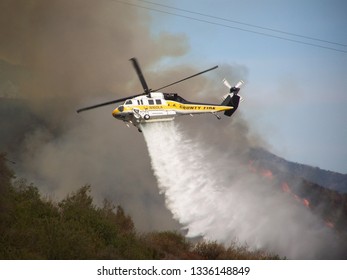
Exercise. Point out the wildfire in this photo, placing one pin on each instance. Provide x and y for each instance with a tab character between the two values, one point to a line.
267	174
306	202
286	189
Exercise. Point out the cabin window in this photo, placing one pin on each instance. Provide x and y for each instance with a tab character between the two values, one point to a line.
128	102
158	101
141	102
150	102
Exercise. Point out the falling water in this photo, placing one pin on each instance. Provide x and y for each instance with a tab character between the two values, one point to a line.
217	197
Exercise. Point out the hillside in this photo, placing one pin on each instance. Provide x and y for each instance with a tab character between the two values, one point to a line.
32	227
328	179
323	192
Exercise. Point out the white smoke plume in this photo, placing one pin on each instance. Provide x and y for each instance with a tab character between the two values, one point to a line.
217	197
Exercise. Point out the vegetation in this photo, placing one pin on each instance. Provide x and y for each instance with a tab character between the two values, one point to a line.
32	227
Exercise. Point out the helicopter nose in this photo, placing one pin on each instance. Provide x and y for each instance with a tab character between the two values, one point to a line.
117	112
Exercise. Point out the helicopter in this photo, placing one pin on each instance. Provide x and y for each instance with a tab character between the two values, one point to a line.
156	106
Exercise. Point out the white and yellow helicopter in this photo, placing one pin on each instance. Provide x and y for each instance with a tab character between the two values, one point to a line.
156	106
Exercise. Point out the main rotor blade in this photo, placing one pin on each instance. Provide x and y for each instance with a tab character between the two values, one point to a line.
106	103
188	78
140	75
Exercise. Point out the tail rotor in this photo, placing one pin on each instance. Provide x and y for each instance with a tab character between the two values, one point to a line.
226	83
235	88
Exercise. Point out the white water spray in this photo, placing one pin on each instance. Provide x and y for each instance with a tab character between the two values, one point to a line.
220	199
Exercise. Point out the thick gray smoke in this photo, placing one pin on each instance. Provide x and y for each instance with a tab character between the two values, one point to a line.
58	56
216	196
61	55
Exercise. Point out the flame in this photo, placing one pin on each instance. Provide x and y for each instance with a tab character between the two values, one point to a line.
306	202
286	189
266	174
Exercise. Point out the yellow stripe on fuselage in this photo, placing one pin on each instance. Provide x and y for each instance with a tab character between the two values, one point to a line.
200	108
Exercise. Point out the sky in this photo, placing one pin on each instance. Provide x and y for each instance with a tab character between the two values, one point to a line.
295	93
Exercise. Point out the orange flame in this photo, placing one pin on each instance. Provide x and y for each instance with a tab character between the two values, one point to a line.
266	174
306	202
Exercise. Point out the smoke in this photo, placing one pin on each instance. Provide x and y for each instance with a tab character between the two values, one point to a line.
78	50
215	195
62	55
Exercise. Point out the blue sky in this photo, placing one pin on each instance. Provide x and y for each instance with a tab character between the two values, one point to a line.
295	93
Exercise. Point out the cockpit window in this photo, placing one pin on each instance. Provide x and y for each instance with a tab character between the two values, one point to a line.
128	102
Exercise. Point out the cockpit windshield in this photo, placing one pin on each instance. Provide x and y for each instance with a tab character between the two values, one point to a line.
128	102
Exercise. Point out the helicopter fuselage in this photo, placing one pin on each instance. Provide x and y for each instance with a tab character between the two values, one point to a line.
161	107
156	106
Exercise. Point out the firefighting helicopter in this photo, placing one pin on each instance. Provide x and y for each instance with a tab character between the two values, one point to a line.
157	106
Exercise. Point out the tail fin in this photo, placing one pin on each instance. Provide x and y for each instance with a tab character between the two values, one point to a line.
232	99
